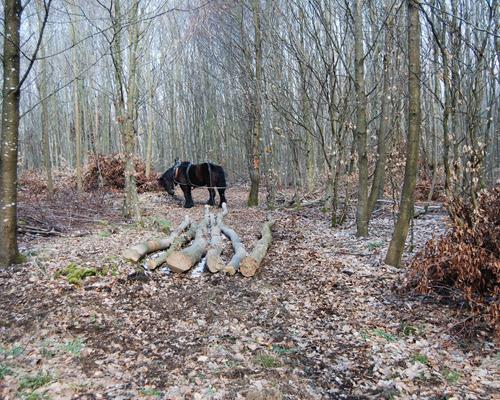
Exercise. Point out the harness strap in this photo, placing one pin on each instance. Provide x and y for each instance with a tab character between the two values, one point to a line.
189	183
209	174
187	174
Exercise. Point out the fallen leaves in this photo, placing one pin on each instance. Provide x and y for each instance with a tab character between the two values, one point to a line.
319	320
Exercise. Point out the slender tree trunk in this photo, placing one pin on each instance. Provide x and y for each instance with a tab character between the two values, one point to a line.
77	113
10	132
45	113
149	145
126	111
360	134
400	233
447	107
131	199
305	105
435	113
379	173
253	197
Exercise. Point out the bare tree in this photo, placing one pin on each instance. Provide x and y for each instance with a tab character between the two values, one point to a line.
400	233
126	99
11	91
360	132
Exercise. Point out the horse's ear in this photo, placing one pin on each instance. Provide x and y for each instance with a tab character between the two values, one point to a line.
176	162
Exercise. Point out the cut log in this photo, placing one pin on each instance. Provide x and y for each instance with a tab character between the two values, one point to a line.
183	260
250	264
214	260
180	241
138	251
239	251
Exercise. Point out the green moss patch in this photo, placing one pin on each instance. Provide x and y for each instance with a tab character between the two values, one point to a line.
75	273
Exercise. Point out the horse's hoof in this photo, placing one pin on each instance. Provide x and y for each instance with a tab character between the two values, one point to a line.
188	205
211	203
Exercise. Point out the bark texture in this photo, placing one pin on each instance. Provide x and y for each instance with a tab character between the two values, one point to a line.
400	233
10	129
239	250
185	259
138	251
254	166
250	264
177	244
214	260
360	134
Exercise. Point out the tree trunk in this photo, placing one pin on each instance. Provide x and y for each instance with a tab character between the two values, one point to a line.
447	107
400	233
10	132
379	173
239	251
149	145
253	196
250	264
138	251
45	112
360	133
126	112
77	113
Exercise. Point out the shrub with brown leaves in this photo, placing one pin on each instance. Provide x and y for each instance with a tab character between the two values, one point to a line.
464	265
33	180
112	170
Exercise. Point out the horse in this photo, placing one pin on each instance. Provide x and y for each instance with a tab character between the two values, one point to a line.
190	176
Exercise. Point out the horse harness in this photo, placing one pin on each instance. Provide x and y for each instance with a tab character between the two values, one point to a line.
191	184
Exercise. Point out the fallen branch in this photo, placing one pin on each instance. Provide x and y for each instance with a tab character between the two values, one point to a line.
418	209
33	230
239	251
250	264
214	260
138	251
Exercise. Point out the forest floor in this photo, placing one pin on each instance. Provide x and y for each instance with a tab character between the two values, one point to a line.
320	320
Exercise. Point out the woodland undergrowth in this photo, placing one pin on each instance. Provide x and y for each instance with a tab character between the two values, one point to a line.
110	170
463	266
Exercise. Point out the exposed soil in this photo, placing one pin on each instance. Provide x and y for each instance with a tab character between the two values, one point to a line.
320	320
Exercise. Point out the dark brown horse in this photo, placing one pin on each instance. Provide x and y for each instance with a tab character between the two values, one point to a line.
190	176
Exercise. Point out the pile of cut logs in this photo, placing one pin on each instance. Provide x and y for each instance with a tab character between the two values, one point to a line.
190	241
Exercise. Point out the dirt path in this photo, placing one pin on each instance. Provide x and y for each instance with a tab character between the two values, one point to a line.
320	321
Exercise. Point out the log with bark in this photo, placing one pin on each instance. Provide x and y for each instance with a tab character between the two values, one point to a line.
214	260
239	251
138	251
251	263
180	241
183	260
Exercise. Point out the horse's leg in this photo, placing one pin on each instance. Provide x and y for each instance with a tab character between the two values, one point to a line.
222	197
211	200
188	199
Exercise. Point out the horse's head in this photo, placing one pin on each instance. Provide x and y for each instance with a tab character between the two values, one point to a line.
167	180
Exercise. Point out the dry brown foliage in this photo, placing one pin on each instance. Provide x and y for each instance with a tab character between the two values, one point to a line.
112	169
464	265
423	188
35	181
